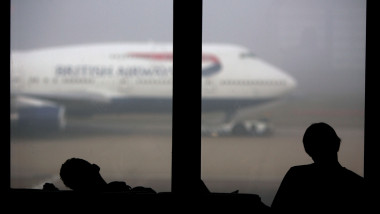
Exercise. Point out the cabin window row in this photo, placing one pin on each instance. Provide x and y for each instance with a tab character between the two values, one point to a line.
36	80
154	82
253	82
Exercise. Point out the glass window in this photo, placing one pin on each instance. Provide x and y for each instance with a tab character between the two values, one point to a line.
92	80
309	66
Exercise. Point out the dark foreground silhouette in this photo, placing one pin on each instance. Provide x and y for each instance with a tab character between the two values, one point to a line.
92	193
80	175
323	185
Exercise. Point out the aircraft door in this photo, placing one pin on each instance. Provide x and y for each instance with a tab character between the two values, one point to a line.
208	86
125	85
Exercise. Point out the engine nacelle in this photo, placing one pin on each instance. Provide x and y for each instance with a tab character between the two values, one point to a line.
51	117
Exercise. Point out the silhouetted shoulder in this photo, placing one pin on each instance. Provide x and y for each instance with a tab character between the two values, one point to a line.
302	168
313	169
302	172
354	181
350	174
317	188
336	178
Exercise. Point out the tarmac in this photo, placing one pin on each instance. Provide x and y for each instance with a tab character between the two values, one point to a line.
136	148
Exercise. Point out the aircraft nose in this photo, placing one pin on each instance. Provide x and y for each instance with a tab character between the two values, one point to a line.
291	83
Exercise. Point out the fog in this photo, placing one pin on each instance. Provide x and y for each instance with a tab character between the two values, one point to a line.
321	43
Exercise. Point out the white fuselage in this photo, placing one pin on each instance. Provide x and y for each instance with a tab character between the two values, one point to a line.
142	72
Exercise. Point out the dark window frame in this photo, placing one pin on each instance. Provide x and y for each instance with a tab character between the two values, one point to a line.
186	135
187	89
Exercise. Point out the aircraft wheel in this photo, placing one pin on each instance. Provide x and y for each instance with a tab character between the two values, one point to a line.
240	129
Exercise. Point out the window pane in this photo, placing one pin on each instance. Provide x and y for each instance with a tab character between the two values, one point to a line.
271	69
93	80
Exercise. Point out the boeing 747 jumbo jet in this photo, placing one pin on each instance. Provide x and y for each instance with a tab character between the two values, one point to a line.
47	84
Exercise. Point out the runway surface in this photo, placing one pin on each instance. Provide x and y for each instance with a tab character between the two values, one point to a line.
137	149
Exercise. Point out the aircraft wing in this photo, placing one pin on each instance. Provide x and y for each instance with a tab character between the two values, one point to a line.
93	96
48	109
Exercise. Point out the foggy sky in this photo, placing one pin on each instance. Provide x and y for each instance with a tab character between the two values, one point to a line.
319	42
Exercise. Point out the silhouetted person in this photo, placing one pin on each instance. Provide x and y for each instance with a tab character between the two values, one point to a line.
324	185
80	175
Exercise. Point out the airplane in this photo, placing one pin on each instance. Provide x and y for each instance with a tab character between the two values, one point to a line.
47	84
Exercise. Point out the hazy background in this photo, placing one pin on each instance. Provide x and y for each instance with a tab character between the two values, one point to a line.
321	43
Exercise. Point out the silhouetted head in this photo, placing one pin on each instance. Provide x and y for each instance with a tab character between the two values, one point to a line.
80	175
321	142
